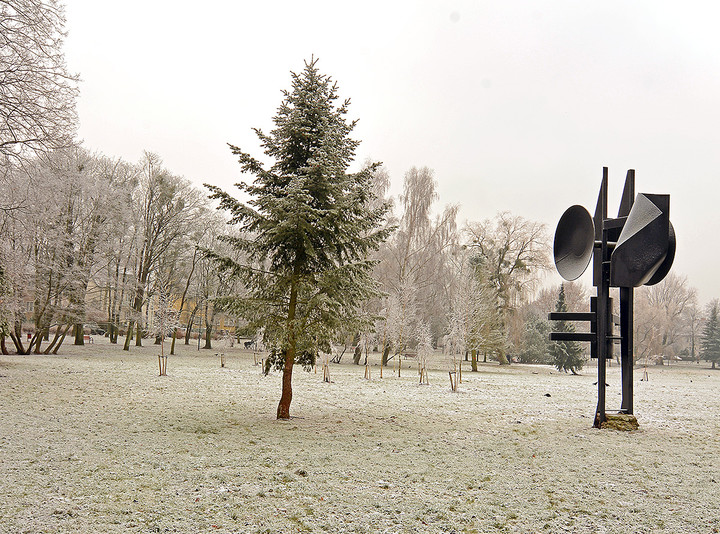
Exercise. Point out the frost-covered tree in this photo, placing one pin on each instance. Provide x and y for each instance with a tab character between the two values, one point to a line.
37	93
710	339
309	225
663	323
166	208
512	251
415	269
475	319
566	355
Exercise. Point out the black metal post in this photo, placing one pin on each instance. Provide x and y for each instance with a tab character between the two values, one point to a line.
626	347
626	308
602	282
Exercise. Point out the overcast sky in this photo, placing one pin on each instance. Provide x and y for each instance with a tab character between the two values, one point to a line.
516	105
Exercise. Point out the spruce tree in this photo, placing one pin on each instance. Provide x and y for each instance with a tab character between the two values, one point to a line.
309	228
710	339
536	347
566	355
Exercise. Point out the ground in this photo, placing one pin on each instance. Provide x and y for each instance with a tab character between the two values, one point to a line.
95	441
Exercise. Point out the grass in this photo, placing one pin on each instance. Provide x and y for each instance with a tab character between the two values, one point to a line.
94	441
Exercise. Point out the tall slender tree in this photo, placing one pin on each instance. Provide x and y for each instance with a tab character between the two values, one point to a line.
710	340
566	355
309	226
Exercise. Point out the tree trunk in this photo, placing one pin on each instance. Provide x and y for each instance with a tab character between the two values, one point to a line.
172	343
191	322
385	355
3	348
79	331
38	339
357	355
138	334
208	334
283	410
19	348
50	347
128	335
60	342
473	361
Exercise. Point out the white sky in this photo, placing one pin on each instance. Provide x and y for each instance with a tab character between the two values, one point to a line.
516	105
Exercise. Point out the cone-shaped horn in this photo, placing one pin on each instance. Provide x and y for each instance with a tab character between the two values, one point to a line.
574	240
665	266
644	242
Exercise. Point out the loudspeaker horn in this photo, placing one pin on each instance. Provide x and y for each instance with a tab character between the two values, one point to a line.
574	241
644	243
664	268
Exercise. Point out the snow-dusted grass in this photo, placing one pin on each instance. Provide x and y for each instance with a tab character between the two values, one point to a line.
95	441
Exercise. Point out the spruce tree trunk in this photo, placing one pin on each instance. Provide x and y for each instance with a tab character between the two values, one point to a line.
283	410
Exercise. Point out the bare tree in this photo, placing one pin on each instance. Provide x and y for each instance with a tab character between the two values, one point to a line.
166	209
414	267
512	252
37	94
662	324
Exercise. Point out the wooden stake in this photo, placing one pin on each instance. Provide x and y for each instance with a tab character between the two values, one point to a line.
162	362
326	373
367	372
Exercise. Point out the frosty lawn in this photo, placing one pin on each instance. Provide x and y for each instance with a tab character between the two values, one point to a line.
95	441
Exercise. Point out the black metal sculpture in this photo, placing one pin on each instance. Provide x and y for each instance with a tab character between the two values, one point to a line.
635	248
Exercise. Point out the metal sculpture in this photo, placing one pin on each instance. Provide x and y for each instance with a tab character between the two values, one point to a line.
633	249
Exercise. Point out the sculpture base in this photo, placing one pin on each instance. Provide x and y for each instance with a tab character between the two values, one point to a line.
620	421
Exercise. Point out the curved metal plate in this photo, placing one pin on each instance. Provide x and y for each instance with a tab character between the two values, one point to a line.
574	241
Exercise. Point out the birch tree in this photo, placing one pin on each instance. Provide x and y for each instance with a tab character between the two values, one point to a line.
414	269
